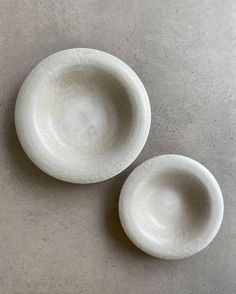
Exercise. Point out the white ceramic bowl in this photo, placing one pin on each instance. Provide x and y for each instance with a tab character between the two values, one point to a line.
82	115
171	207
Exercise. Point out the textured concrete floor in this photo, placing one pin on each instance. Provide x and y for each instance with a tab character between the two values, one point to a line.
62	238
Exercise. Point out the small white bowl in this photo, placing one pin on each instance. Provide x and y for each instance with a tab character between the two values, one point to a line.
171	207
82	115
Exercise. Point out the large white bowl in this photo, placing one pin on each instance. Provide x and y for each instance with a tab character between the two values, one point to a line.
171	207
82	115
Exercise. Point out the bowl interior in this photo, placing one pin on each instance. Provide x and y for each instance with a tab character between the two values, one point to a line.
83	113
172	208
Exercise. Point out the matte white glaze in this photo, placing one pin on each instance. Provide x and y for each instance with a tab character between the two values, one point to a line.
171	206
82	115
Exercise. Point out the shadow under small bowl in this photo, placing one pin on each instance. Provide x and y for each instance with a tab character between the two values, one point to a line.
82	115
171	207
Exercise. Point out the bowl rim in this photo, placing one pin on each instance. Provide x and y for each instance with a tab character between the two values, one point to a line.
128	188
30	139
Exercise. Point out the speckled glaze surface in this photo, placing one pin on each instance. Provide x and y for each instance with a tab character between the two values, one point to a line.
171	206
82	115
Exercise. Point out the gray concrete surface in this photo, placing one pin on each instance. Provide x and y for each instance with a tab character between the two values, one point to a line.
64	238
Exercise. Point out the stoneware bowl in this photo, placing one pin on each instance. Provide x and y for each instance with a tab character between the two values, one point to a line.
171	207
82	115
